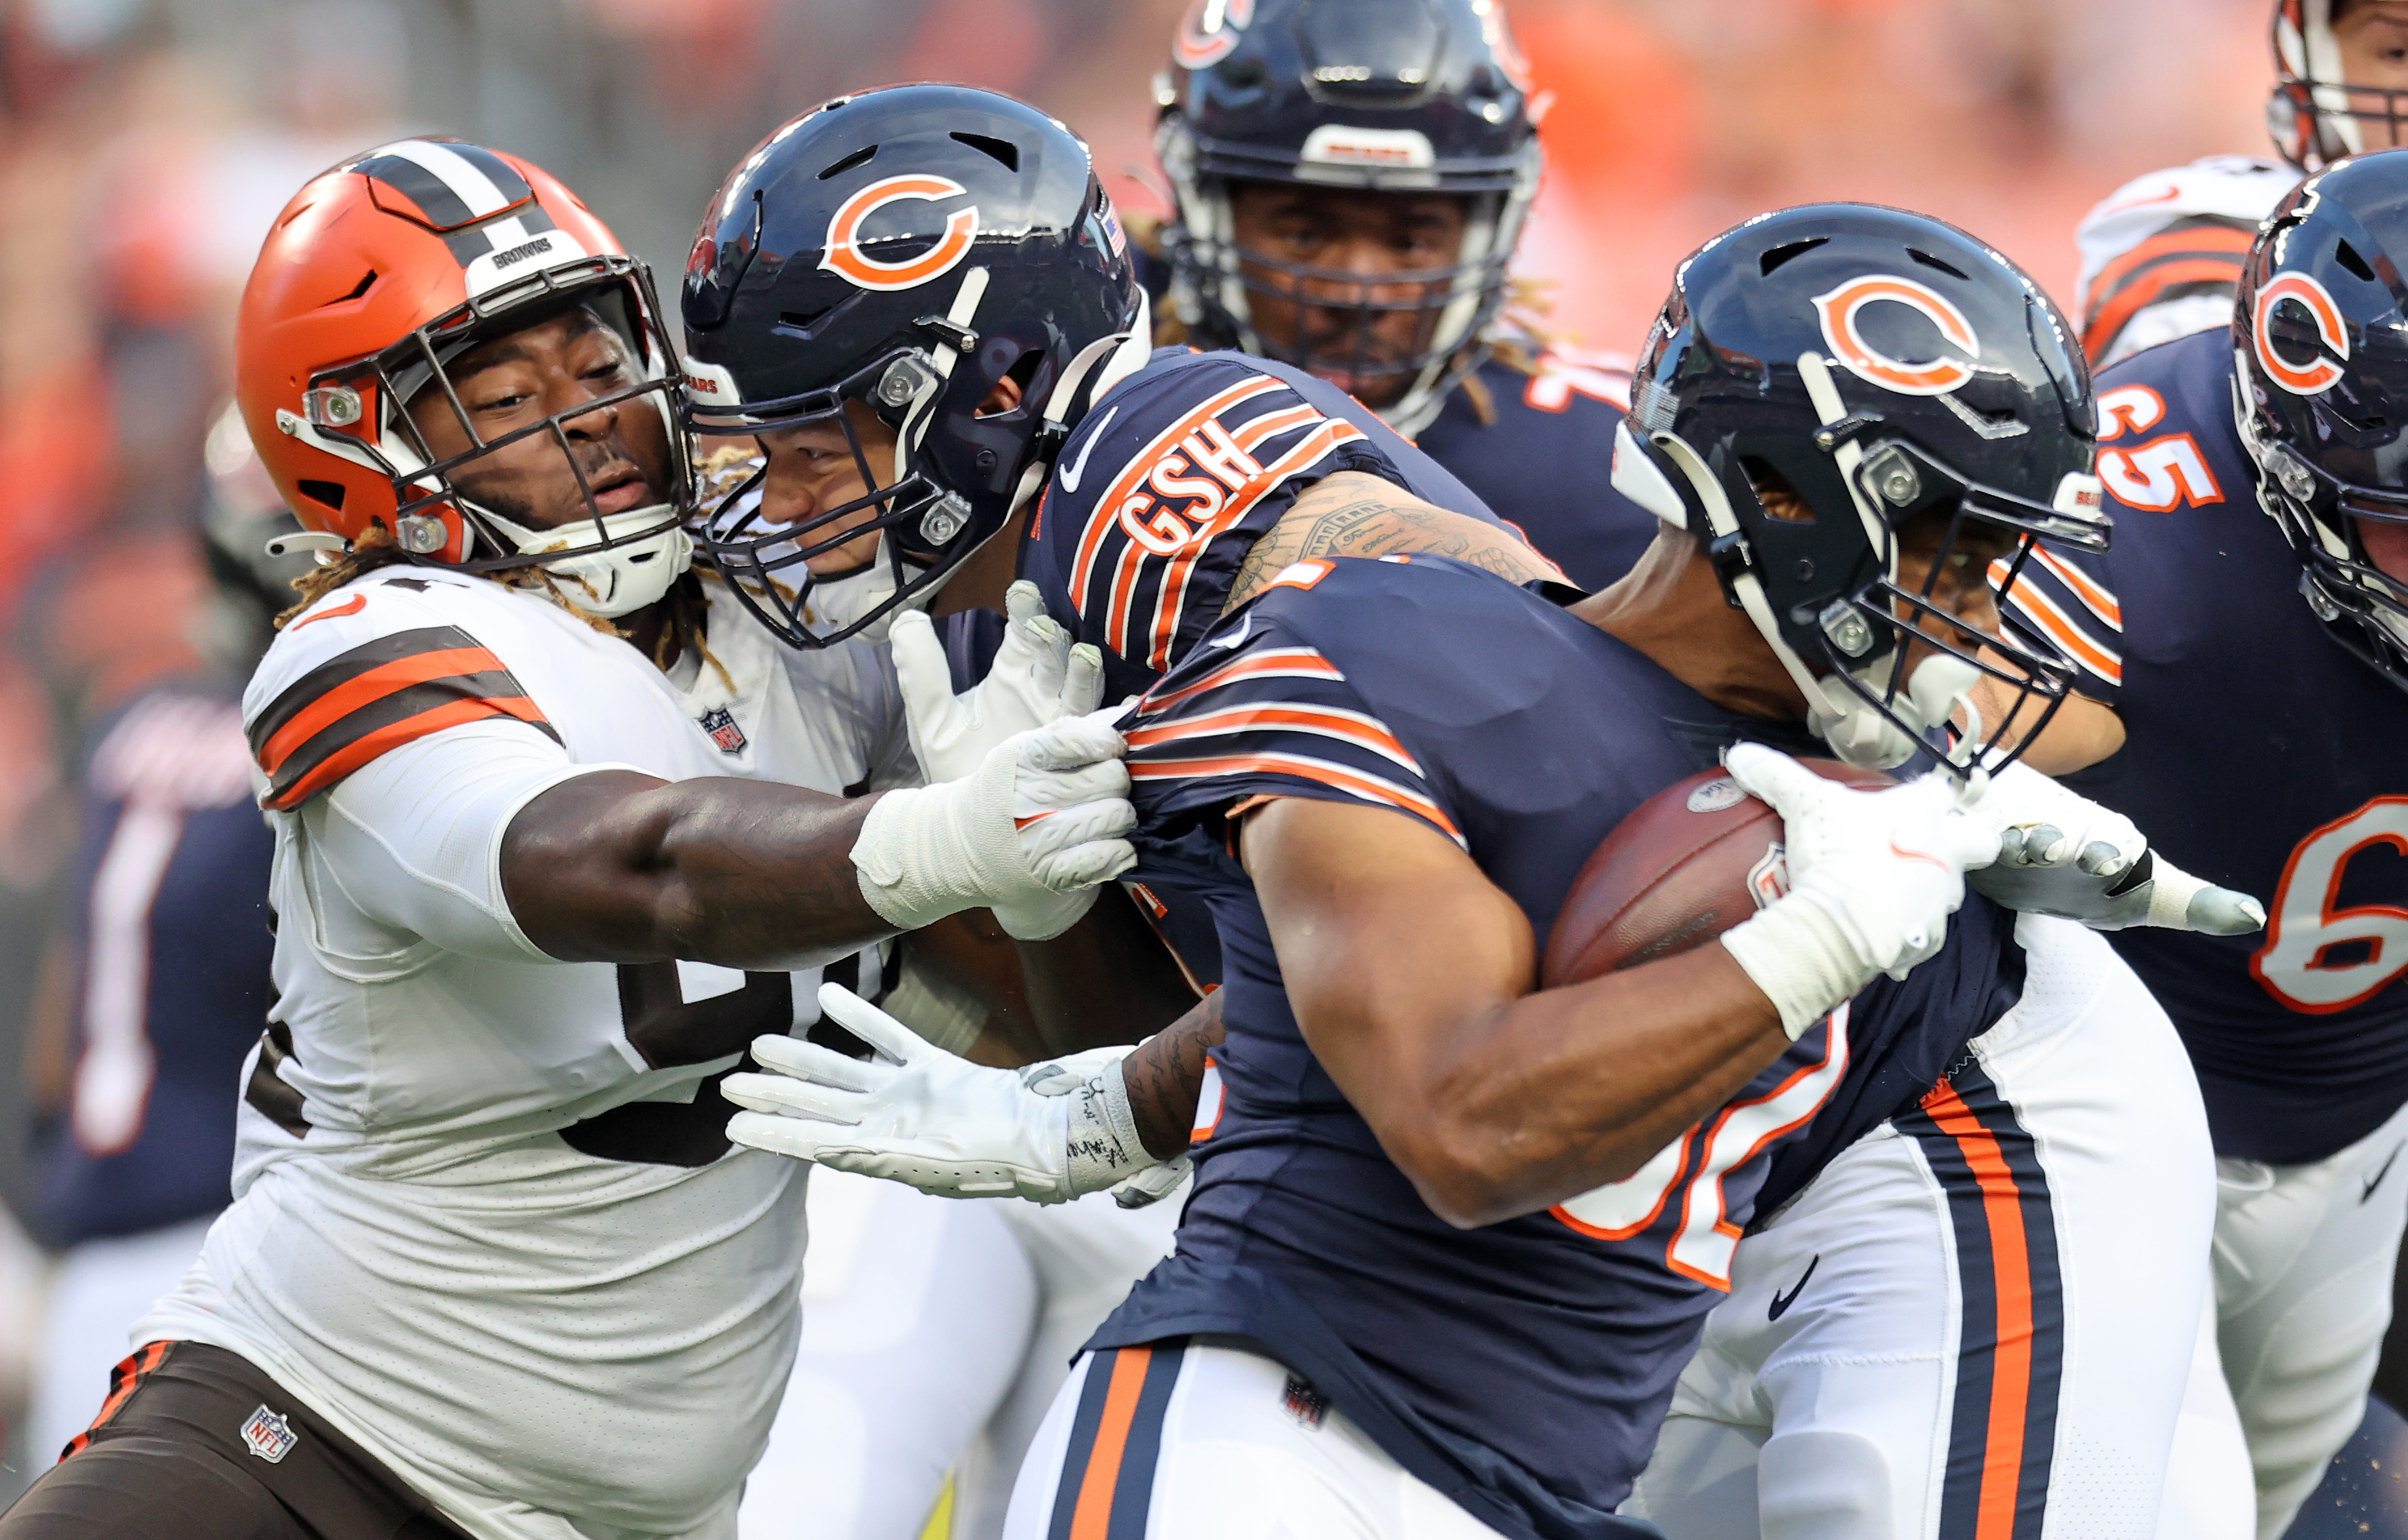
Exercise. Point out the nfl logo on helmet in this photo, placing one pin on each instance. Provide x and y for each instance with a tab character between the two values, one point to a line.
270	1436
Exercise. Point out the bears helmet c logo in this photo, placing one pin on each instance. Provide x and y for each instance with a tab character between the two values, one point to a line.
2320	373
1936	377
845	258
1210	31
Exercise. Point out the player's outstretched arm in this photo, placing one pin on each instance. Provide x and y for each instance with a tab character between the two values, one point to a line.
619	867
1354	513
1414	979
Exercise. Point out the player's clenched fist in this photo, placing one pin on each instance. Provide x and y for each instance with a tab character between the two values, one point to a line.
1040	821
1873	876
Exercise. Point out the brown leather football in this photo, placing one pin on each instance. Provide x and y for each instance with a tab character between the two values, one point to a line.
1689	863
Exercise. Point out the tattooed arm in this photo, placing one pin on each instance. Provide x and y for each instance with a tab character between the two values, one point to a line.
1354	513
1165	1075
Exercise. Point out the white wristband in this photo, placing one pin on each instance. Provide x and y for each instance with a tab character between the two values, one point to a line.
1798	953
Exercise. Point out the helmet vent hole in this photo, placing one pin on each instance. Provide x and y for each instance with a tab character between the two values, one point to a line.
1003	150
2346	255
1930	261
329	493
801	319
367	280
1773	259
859	157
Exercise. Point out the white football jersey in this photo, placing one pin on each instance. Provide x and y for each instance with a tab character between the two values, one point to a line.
486	1219
2161	254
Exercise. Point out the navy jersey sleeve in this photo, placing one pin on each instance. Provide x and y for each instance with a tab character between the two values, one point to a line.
1160	492
1258	712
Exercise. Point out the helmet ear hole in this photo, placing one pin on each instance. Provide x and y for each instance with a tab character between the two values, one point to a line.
329	493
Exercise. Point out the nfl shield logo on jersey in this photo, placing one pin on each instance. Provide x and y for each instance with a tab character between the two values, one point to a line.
270	1437
721	724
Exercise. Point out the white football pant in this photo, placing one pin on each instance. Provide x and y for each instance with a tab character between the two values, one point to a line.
2303	1262
1985	1316
1206	1443
934	1334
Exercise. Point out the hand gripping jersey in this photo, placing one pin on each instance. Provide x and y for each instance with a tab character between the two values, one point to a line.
170	909
1541	455
2161	254
1520	1368
2259	755
486	1219
1170	481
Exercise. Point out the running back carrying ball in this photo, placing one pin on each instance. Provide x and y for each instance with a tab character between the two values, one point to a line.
1689	863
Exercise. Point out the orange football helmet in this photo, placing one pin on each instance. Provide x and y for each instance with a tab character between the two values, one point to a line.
374	279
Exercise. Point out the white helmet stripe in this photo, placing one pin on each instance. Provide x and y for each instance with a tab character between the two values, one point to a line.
470	185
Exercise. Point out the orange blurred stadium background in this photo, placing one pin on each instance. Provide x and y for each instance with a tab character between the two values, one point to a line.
145	144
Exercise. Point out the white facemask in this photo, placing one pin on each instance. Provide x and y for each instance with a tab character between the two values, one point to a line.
1862	736
612	581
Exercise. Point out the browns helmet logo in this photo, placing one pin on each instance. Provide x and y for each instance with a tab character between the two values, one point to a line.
1840	309
845	258
2320	372
1210	31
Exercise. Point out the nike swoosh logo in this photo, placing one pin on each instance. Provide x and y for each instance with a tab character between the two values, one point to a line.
1781	1302
1069	475
2376	1180
1238	637
1924	856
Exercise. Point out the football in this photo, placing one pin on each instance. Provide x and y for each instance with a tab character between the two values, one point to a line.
1689	863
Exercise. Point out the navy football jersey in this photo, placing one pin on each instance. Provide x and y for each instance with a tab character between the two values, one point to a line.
1172	478
1541	458
2259	755
170	908
1521	1368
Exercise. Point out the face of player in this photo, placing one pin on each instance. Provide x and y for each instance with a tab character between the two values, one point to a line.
1375	249
2387	547
1956	581
2372	35
517	380
813	469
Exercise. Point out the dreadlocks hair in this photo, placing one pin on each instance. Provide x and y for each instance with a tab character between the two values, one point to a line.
684	608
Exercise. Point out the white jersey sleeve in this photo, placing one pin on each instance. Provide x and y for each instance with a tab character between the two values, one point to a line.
415	836
2161	254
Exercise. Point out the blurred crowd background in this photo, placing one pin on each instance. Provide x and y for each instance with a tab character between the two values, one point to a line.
145	145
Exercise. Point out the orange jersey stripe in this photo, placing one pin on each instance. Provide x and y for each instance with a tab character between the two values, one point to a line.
1354	728
2112	314
369	687
2102	603
1354	782
386	739
2052	622
1092	1517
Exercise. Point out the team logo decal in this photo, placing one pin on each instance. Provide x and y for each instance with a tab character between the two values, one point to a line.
1840	308
269	1436
846	260
2320	373
1210	31
720	722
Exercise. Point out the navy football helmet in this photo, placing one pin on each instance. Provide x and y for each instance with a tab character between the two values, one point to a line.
2320	339
906	249
1820	378
1412	96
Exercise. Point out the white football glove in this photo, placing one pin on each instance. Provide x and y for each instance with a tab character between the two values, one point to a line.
2061	853
1028	834
1038	677
921	1117
1873	876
